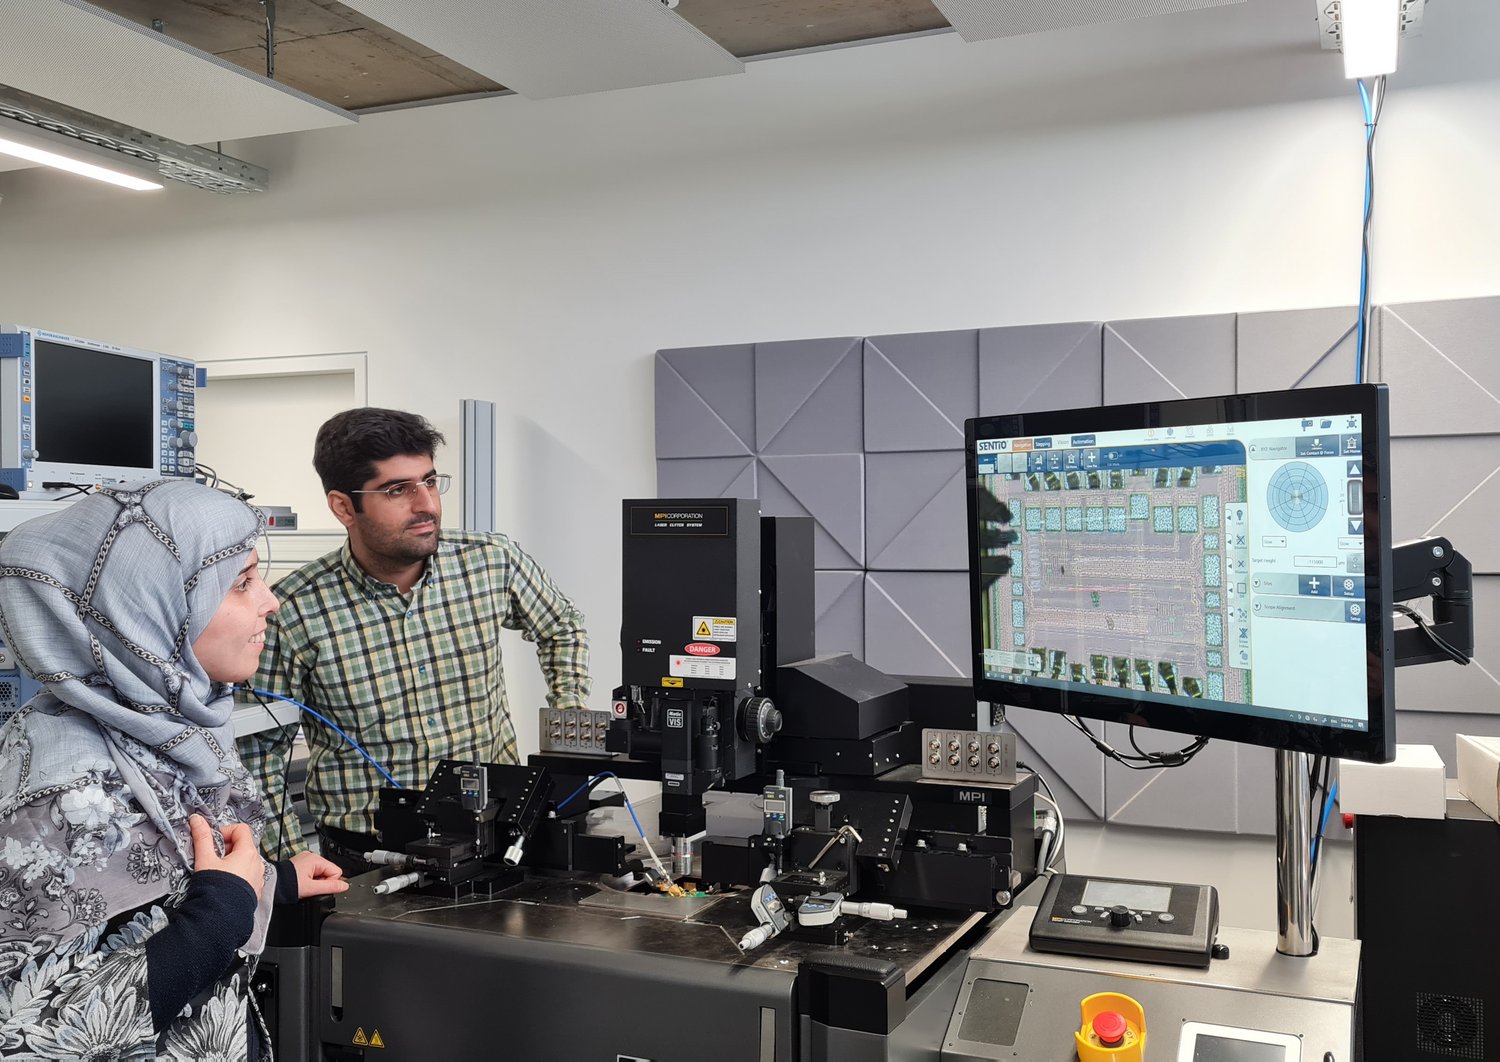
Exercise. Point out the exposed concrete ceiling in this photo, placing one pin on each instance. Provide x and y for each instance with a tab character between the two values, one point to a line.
336	54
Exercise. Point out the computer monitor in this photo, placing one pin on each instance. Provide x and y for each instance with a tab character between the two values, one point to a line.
1214	566
77	411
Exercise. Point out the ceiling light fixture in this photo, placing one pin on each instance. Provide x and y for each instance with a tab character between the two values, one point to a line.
1370	31
45	125
43	148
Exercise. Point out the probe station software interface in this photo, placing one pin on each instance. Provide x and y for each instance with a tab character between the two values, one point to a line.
1221	563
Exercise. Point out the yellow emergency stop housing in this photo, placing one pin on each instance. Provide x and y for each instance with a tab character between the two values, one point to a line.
1131	1045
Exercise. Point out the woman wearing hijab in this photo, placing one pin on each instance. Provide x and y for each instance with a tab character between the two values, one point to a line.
133	900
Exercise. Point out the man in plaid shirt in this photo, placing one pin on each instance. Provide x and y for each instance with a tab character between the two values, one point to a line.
395	637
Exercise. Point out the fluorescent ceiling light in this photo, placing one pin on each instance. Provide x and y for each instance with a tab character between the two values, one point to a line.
46	148
1370	29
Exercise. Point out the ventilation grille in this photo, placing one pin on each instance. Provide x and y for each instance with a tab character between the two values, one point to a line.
1450	1026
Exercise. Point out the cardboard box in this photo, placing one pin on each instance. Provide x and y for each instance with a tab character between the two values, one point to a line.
1479	772
1410	786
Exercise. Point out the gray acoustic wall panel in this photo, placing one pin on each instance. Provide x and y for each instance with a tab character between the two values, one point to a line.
1203	794
917	623
828	487
1255	789
865	436
1297	348
1162	358
706	477
1439	358
1437	730
915	514
809	397
1449	688
1032	367
1050	745
919	388
839	612
705	401
1449	485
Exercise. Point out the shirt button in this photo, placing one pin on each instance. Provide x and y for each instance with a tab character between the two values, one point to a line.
423	669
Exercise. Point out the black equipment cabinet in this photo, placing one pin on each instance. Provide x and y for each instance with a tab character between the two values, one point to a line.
1426	914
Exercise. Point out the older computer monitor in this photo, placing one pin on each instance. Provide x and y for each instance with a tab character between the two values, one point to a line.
1214	566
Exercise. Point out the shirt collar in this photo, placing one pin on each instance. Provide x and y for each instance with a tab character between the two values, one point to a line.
371	585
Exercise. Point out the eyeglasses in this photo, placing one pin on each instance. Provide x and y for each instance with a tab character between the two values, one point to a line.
437	483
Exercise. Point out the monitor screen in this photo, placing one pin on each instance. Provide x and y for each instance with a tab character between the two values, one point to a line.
94	407
1211	566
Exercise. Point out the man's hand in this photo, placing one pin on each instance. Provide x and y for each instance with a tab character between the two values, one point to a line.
240	858
317	876
995	538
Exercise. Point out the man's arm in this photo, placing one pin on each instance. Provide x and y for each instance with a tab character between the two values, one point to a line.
267	753
544	615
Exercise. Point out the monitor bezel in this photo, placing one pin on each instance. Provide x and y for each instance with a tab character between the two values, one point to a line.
1370	401
47	396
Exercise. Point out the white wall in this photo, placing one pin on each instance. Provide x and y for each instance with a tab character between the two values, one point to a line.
538	253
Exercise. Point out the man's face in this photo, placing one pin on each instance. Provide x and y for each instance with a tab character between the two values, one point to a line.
400	530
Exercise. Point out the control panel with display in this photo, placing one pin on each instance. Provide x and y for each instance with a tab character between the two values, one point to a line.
1114	918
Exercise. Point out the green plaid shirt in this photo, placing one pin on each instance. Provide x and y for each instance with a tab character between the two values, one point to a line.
414	678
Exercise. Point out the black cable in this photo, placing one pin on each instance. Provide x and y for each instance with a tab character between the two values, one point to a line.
1451	651
1369	213
289	736
1057	853
1145	761
77	488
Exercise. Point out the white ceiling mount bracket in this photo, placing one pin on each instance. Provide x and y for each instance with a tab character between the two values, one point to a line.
1331	24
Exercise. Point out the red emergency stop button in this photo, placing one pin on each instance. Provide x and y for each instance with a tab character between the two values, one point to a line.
1110	1028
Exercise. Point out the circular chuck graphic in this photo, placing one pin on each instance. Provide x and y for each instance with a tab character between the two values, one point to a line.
1297	496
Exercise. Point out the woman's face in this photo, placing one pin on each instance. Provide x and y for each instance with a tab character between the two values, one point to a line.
229	647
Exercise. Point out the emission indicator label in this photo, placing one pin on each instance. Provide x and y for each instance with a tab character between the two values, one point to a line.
714	628
703	667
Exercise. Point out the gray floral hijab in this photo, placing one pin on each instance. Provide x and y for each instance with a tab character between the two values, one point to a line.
101	602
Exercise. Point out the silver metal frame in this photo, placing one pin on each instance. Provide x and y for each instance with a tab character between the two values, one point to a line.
175	161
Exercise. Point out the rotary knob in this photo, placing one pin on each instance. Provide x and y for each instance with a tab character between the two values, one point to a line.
185	440
1119	916
760	720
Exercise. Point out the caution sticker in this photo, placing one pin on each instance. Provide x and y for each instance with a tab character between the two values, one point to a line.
373	1040
714	628
672	683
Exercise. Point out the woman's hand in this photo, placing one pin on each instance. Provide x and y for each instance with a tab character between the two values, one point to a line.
240	858
317	876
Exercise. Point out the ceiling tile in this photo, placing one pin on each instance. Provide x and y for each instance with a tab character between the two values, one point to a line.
77	54
546	48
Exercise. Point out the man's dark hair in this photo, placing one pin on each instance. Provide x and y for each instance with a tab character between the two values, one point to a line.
349	444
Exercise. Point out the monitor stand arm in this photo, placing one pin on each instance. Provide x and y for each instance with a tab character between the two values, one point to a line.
1294	892
1429	567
